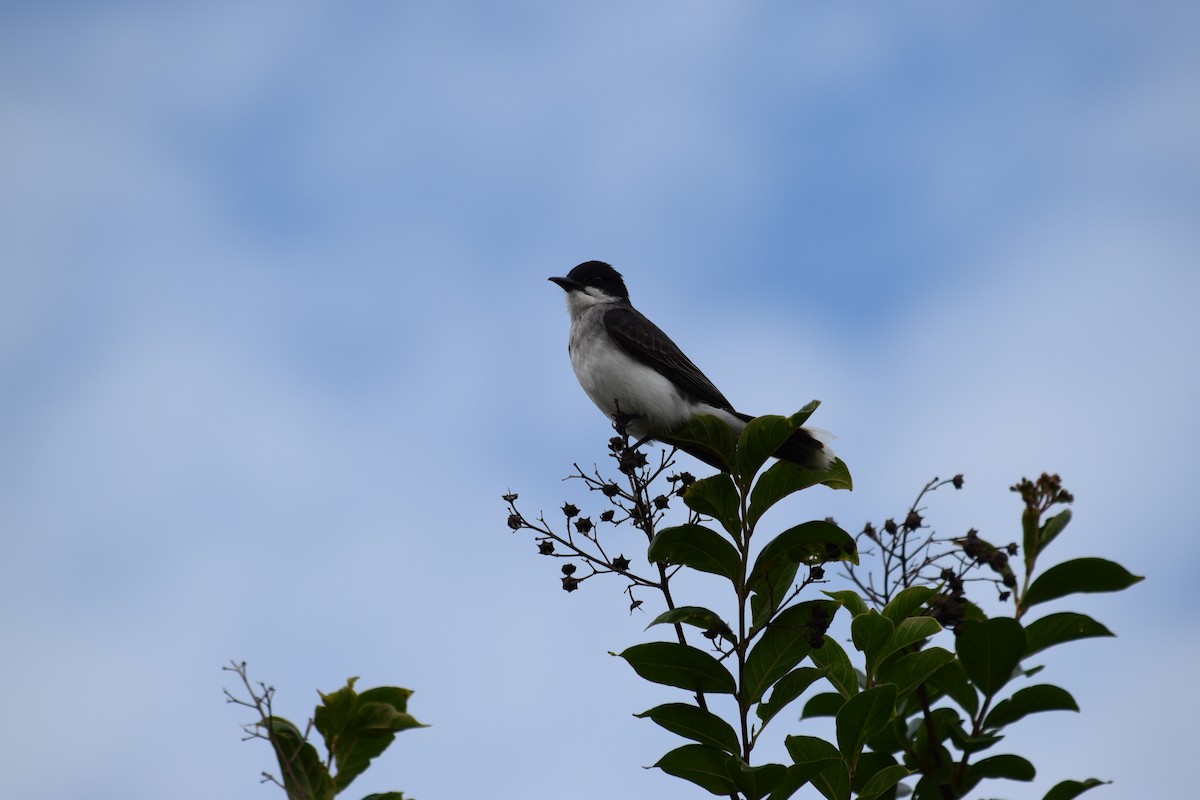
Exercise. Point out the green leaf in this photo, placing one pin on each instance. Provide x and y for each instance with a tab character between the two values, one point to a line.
825	704
697	547
708	433
771	590
851	600
893	738
1069	790
811	750
1030	536
951	679
906	602
910	671
793	780
811	543
1014	768
990	651
695	723
392	696
862	717
358	727
674	664
833	782
1052	527
784	478
702	618
820	762
385	796
1079	575
334	714
361	744
909	632
838	476
838	668
973	744
787	689
786	641
1030	700
702	765
883	781
870	633
1058	628
760	439
869	765
304	775
928	736
756	782
800	417
717	497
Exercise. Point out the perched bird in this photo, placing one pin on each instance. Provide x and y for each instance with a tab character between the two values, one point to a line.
629	367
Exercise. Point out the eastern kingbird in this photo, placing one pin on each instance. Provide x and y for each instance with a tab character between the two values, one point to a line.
628	366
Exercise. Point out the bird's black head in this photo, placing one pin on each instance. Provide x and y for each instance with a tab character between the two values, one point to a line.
594	275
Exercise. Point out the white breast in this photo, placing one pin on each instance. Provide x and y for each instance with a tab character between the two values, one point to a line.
613	379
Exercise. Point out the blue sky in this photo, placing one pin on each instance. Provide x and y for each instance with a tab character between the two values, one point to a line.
275	336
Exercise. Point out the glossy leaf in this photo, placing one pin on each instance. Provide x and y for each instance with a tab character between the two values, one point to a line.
839	670
304	774
910	671
674	664
770	592
1058	628
819	762
907	602
786	641
990	651
1030	700
794	779
851	600
811	543
697	547
760	439
909	632
951	680
928	737
800	417
702	765
1069	790
973	744
787	689
1031	536
862	717
707	433
755	782
333	715
717	497
892	738
870	633
1014	768
1052	527
883	781
869	764
784	478
702	618
695	723
825	704
1079	575
358	727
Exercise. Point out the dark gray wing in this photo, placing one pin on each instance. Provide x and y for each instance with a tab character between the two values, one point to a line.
643	340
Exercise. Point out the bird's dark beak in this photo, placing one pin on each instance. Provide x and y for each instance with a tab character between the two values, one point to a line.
566	283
